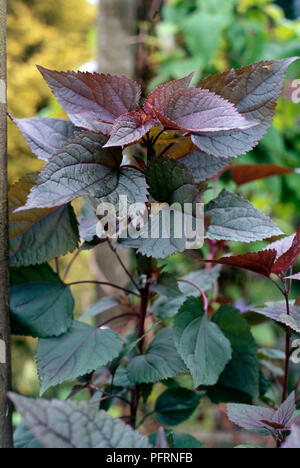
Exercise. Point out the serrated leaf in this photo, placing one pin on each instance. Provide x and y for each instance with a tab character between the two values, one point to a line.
242	373
165	176
198	110
234	219
257	262
277	311
159	363
246	173
104	304
92	100
72	424
80	168
160	97
38	235
249	417
25	439
176	405
129	128
41	304
200	343
45	136
289	258
254	91
166	285
166	307
78	352
203	166
256	417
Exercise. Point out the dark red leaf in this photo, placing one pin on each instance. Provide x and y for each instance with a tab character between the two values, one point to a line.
92	100
130	128
250	172
159	98
288	259
273	425
260	262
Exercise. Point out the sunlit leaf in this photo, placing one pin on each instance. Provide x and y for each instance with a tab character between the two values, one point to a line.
250	172
254	91
92	100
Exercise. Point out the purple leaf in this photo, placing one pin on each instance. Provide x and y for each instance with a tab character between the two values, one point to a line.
249	417
254	91
198	110
294	277
160	97
286	411
256	417
45	136
289	258
130	128
277	311
92	100
293	441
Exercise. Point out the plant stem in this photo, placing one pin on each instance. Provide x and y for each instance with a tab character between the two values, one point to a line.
128	314
202	293
287	352
130	276
5	360
71	264
104	283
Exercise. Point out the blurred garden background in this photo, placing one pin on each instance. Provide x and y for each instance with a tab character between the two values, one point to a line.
205	36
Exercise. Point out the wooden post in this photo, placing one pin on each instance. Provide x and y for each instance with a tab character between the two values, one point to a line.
117	25
5	364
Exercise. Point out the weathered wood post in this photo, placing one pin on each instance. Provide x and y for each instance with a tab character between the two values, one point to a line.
5	364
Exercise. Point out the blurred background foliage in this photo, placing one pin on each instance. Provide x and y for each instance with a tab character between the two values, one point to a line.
206	36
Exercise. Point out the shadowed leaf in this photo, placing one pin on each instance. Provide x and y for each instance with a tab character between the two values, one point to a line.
38	235
73	424
45	136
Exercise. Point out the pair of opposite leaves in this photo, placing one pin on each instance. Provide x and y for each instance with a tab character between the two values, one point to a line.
226	116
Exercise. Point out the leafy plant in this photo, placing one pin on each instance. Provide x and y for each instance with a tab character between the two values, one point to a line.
181	137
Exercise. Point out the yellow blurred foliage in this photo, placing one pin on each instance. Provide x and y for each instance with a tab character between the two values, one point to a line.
53	34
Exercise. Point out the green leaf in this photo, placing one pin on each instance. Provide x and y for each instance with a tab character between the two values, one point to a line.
166	307
176	405
80	168
165	176
44	136
25	439
235	219
104	304
242	372
80	351
180	441
166	285
200	343
41	304
72	424
38	235
160	362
